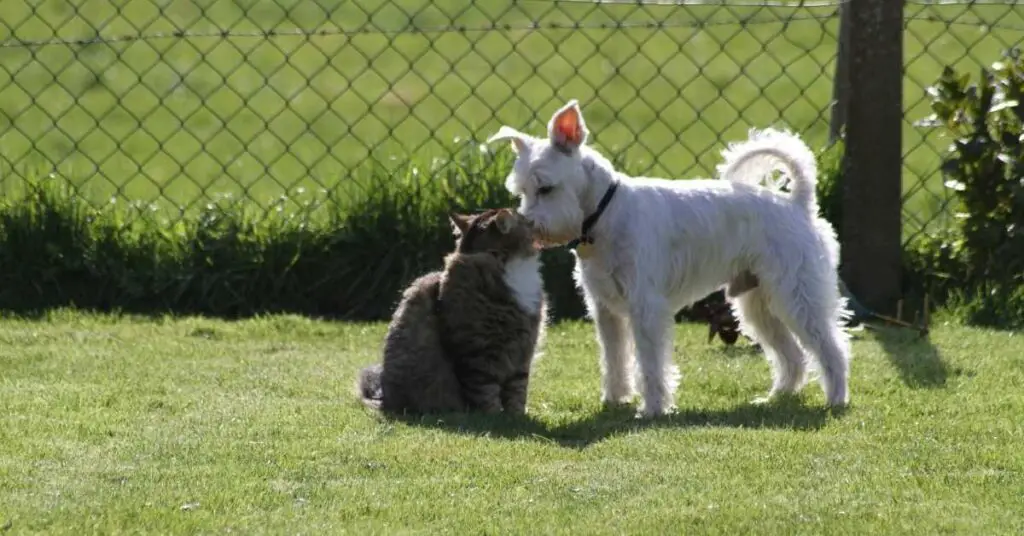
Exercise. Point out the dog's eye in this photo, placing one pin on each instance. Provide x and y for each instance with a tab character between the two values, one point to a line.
545	190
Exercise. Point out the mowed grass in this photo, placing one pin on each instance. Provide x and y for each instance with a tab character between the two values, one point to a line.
175	120
114	424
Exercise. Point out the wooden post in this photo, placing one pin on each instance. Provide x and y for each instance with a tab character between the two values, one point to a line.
872	163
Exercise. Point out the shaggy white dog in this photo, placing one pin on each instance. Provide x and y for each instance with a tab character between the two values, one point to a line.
646	247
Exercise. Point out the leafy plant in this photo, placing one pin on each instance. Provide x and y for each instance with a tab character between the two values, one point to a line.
830	185
984	165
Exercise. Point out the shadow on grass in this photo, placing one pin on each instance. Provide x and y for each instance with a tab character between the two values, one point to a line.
743	349
788	413
916	359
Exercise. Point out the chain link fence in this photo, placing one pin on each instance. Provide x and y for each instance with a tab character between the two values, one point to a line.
170	102
966	35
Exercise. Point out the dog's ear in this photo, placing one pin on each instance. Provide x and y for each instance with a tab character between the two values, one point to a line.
460	223
567	128
519	140
505	221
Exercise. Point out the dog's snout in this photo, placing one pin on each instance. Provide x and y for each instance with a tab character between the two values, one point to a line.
524	220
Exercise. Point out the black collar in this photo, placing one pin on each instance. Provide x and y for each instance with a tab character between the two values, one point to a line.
591	220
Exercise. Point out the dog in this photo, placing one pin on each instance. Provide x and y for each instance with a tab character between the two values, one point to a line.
645	247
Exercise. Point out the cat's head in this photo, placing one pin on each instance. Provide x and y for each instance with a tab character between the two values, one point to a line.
500	231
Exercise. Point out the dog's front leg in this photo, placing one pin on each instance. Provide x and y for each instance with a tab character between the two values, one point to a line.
652	323
616	358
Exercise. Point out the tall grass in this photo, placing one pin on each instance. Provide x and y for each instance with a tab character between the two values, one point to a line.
345	252
342	253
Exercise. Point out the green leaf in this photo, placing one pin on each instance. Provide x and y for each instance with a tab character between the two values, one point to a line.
943	110
966	78
955	185
1003	105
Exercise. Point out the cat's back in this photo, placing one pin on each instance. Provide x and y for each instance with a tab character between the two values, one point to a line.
417	375
416	313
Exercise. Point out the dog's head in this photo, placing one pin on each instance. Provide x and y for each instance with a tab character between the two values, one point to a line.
548	175
498	231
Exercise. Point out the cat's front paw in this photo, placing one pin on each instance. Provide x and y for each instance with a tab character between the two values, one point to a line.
516	411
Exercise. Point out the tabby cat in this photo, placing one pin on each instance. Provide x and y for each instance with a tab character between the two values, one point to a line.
463	339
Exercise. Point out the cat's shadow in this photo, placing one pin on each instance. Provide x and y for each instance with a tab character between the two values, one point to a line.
787	413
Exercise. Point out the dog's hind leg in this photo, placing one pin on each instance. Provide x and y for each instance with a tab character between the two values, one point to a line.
811	312
652	322
820	333
616	356
789	365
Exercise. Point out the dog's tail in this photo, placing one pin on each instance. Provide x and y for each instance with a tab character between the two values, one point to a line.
769	150
369	387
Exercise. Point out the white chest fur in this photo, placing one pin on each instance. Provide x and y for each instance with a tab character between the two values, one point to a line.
522	275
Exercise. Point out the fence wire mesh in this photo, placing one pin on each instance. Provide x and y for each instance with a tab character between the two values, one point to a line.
170	102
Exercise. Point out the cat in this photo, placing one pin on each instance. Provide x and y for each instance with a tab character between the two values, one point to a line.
463	338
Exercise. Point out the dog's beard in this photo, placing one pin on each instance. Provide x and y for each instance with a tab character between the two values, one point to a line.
557	230
550	240
539	240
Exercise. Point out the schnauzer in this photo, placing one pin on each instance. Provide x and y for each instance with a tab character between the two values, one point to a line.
645	247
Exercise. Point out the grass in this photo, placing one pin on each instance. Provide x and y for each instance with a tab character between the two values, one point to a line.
173	120
126	424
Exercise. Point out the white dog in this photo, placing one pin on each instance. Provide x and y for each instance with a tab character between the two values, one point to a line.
646	247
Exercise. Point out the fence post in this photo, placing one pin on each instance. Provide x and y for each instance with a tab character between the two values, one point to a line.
872	162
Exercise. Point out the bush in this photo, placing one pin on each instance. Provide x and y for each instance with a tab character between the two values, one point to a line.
980	263
984	166
830	186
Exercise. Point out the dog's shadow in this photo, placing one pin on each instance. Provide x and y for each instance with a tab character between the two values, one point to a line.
790	413
917	361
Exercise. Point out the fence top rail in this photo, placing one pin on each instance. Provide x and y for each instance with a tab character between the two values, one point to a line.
331	30
777	3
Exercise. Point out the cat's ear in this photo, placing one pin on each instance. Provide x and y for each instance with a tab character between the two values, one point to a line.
460	223
505	221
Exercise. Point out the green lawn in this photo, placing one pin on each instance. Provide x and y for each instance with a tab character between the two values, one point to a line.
112	424
170	118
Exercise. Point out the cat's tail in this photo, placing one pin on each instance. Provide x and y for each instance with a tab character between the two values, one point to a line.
369	387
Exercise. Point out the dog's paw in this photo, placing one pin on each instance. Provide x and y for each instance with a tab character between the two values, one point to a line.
838	407
646	412
838	398
613	402
777	398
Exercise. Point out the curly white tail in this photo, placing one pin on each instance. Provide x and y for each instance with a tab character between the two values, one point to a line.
769	150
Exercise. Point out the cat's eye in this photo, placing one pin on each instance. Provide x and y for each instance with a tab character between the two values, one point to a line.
545	190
